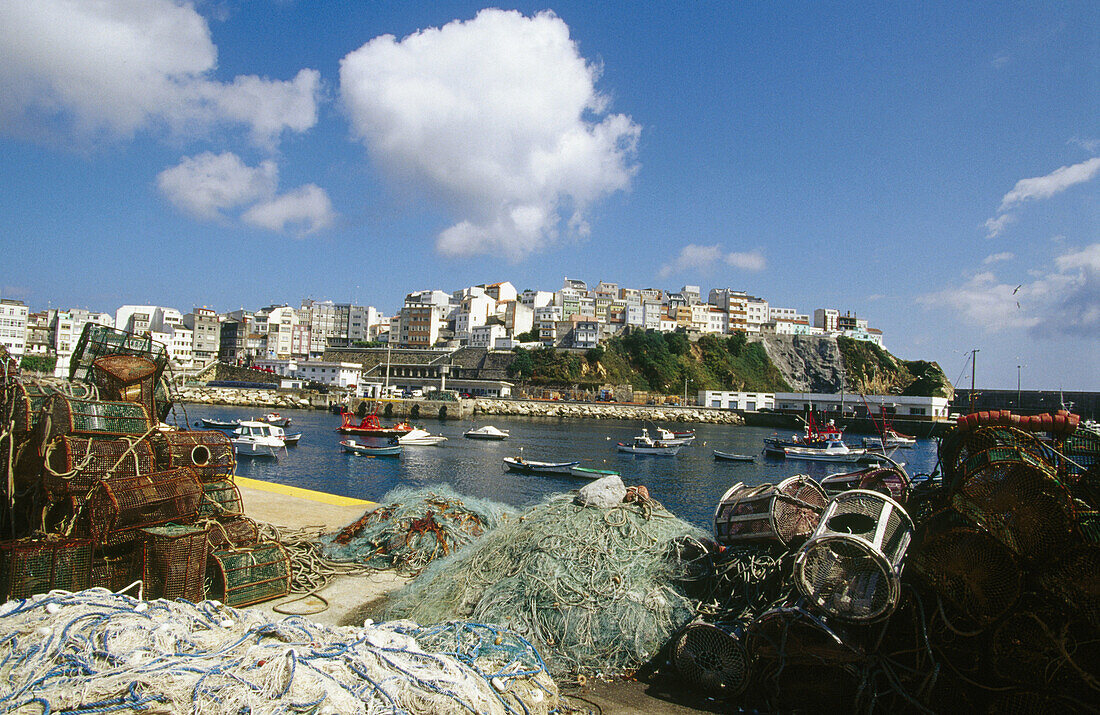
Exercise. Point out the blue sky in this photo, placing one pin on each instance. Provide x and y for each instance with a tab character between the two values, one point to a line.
933	167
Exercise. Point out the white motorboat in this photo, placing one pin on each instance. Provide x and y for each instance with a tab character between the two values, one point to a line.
421	437
274	418
531	466
890	440
486	432
672	438
644	444
836	451
258	439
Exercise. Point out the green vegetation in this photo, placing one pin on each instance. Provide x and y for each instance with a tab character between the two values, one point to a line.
531	336
38	363
871	370
547	366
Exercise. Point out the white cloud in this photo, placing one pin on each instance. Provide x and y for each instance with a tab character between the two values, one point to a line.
1043	187
1060	300
109	69
998	257
499	120
207	184
995	226
307	209
705	259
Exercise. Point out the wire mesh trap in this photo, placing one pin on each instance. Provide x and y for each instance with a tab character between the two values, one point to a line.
232	532
711	660
220	499
1019	500
38	564
249	574
122	505
174	562
1074	579
93	418
208	453
76	464
851	567
888	480
98	341
127	378
781	513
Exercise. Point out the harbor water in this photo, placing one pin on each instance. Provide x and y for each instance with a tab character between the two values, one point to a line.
689	484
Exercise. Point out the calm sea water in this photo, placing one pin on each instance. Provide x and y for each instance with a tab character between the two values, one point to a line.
690	484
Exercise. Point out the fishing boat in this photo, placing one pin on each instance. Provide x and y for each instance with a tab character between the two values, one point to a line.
421	437
292	439
589	473
671	438
890	439
219	424
486	432
353	447
369	426
257	439
644	444
835	451
274	418
814	437
731	457
530	466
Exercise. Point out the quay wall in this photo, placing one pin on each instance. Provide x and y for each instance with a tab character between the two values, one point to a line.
603	411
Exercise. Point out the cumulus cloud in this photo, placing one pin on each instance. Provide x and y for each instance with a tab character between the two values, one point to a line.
704	259
998	257
994	226
307	210
1057	181
1061	300
498	119
110	69
206	185
210	186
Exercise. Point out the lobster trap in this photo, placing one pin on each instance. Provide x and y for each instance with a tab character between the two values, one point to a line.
785	513
174	562
38	564
93	418
209	454
127	378
712	660
121	505
1019	500
114	567
220	499
24	403
959	445
252	574
76	464
232	532
1074	579
977	575
98	341
885	480
851	566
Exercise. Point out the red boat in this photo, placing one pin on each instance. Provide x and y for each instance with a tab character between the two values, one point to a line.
370	427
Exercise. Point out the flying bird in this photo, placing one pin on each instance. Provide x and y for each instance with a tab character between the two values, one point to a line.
1017	288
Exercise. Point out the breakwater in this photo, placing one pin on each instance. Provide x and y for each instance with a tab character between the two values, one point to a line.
246	397
604	411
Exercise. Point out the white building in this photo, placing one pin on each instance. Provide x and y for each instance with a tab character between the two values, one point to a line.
66	327
486	336
180	343
139	318
334	374
279	322
749	401
718	321
826	319
13	326
895	405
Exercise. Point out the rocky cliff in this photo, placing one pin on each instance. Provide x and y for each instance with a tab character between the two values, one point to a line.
809	364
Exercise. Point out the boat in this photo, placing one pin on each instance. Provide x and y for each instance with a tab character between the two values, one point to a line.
353	447
671	438
835	451
219	424
589	473
486	432
731	457
369	426
644	444
531	466
257	439
890	439
274	418
421	437
292	439
814	437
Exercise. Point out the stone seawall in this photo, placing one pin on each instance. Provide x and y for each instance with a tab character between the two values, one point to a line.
604	411
244	397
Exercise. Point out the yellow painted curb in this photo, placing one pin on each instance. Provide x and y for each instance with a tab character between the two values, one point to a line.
322	497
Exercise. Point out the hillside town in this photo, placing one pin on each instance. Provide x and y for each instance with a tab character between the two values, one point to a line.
493	316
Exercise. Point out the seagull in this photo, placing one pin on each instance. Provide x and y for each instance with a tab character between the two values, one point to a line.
1017	288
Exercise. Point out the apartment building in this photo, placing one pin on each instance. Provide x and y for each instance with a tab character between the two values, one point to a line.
13	326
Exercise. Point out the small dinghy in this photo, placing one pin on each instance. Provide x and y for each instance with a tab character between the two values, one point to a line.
353	447
731	457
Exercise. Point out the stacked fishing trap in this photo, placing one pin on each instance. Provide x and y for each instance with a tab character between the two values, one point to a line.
99	492
976	588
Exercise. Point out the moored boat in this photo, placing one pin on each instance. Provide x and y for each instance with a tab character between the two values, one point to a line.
486	432
369	426
257	439
589	473
813	437
731	457
220	424
353	447
835	452
531	466
644	444
890	439
291	440
274	418
422	438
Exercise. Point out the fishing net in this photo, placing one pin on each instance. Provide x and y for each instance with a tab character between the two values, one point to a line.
413	527
890	481
93	418
1080	466
95	651
595	589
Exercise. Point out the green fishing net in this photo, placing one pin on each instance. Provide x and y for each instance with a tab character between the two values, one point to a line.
598	591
